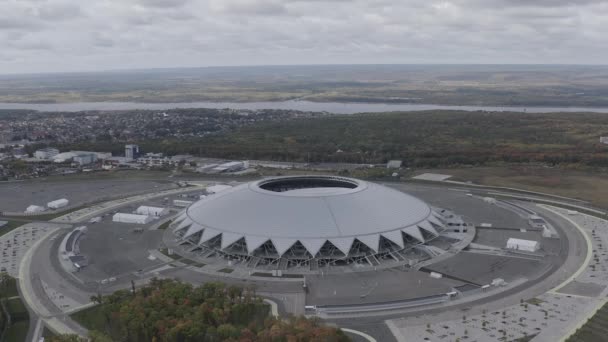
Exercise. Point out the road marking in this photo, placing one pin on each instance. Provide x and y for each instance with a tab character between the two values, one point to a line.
395	330
28	292
589	248
570	295
362	334
37	330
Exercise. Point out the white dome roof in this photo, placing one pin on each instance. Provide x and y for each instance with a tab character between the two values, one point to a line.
311	210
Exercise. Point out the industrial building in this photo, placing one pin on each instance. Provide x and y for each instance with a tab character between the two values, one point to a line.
131	218
154	159
46	153
523	245
131	152
232	166
80	157
303	219
85	158
60	203
151	211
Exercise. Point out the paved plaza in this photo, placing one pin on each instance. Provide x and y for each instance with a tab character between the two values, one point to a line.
548	317
15	244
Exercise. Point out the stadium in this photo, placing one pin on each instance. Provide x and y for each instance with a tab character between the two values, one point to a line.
311	221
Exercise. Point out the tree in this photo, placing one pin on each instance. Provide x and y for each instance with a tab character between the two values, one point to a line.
98	299
170	311
68	338
5	280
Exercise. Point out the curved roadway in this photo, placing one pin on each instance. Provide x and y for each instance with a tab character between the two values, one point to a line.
43	252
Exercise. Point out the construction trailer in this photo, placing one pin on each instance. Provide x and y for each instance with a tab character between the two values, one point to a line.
523	245
60	203
34	209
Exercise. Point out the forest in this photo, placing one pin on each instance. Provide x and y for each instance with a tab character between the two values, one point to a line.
420	139
172	311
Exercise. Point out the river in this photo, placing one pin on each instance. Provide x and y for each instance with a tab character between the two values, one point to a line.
331	107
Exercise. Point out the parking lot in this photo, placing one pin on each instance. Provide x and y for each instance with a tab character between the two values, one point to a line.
17	196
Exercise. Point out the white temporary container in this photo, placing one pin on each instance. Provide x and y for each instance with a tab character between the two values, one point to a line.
34	209
436	275
523	245
60	203
151	211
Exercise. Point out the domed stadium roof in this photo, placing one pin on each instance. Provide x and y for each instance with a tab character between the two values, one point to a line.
309	212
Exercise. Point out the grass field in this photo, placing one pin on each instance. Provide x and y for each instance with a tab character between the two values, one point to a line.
10	226
20	319
594	330
446	84
165	225
17	332
91	318
585	185
9	289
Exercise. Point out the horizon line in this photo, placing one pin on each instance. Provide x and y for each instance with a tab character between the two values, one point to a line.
127	70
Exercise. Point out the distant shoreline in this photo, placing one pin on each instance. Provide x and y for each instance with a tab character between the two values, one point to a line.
300	105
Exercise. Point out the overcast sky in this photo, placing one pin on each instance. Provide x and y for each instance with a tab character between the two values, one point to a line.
77	35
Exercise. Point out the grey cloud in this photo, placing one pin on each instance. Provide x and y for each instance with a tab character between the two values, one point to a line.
163	3
59	11
166	33
243	7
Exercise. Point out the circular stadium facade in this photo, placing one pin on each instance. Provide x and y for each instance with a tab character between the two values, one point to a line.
306	221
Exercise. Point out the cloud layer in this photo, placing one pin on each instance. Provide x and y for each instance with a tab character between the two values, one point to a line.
70	35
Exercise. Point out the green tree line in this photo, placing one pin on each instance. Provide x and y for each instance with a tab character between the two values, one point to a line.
421	139
172	311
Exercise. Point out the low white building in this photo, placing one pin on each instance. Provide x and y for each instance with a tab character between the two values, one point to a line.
206	168
154	159
231	166
103	155
394	164
151	211
46	153
60	203
131	218
523	245
85	158
79	157
34	209
489	200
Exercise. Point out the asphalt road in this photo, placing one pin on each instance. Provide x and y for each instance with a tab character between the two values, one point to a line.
289	295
